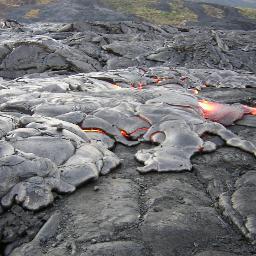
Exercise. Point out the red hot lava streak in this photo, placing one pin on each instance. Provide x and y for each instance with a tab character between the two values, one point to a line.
253	111
125	134
128	136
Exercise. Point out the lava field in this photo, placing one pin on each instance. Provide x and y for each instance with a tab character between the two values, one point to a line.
127	138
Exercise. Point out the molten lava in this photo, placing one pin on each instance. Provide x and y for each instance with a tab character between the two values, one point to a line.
94	130
208	106
253	111
128	136
250	110
224	113
125	134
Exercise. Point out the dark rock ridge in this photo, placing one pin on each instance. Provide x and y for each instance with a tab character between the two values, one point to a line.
64	123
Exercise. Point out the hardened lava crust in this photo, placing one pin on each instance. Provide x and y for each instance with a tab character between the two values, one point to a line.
127	138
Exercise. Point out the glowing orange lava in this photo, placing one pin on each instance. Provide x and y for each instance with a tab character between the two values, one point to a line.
250	110
224	113
208	106
253	111
125	134
129	135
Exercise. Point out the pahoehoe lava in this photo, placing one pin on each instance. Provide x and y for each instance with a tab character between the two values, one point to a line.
79	101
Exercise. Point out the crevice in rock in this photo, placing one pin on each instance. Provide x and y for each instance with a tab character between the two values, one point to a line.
215	204
2	248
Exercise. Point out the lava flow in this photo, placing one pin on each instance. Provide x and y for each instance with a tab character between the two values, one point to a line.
224	113
129	136
252	111
209	107
125	134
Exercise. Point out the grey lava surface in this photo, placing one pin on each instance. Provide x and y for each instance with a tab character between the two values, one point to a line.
110	143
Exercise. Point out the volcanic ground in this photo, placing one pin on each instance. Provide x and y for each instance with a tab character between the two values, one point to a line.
127	138
218	14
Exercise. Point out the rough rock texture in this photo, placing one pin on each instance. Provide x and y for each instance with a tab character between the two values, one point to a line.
85	47
61	129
